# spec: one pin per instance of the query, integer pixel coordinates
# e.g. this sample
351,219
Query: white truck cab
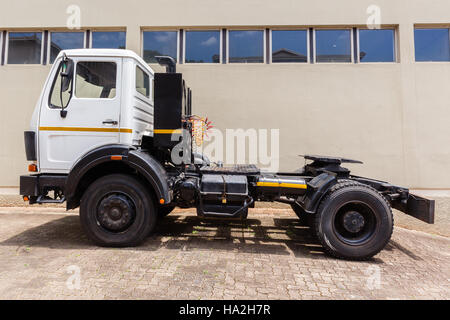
109,101
104,137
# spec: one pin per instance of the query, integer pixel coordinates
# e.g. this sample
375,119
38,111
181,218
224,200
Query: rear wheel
354,221
117,211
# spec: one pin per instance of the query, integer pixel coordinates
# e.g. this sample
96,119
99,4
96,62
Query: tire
244,214
165,210
353,221
117,211
306,219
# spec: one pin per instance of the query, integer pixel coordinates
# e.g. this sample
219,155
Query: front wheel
117,211
354,221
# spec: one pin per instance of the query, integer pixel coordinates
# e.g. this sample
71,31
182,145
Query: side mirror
66,74
66,79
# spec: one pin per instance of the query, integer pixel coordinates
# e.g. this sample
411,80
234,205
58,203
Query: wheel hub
353,221
116,212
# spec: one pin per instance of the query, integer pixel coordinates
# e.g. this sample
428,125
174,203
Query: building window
142,82
160,43
246,46
202,47
95,80
108,40
1,48
333,45
63,41
432,44
377,45
24,47
289,46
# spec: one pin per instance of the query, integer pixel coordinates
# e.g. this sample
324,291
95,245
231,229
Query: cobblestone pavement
42,250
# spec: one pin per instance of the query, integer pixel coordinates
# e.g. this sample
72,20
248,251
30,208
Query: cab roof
122,53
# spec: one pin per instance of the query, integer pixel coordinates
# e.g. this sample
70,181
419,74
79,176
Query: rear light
32,167
25,198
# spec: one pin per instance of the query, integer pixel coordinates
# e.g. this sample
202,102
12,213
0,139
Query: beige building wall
395,117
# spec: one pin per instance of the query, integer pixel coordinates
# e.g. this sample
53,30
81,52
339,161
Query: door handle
113,122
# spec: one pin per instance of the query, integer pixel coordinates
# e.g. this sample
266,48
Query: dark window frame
2,48
395,45
352,45
308,45
429,28
263,30
91,37
185,31
160,30
56,31
7,49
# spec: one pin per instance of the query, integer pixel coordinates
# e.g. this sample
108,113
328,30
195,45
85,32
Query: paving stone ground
270,256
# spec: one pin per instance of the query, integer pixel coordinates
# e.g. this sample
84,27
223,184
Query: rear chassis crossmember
400,199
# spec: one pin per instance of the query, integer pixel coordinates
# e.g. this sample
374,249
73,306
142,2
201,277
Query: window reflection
333,46
109,40
246,46
24,47
432,44
376,46
289,46
202,46
63,41
159,43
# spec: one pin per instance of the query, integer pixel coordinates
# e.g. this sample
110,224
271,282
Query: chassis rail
400,199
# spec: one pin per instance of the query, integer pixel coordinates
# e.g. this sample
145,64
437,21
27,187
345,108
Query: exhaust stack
168,62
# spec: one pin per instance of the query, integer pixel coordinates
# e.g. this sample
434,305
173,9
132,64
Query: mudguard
153,172
316,190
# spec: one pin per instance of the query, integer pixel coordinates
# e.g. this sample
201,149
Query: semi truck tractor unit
102,139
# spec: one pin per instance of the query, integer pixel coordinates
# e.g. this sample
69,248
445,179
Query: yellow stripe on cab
78,129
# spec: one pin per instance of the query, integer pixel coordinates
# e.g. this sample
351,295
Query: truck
102,139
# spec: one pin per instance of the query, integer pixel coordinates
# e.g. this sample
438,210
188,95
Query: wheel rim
355,223
116,212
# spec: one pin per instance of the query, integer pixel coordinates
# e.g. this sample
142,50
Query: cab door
93,112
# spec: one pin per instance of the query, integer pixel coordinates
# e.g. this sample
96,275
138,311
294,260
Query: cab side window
55,94
142,82
96,80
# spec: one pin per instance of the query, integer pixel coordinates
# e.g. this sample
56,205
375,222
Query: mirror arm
63,112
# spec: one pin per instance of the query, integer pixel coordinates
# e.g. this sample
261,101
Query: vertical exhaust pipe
168,62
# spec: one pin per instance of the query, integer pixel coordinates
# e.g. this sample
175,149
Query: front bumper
34,186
